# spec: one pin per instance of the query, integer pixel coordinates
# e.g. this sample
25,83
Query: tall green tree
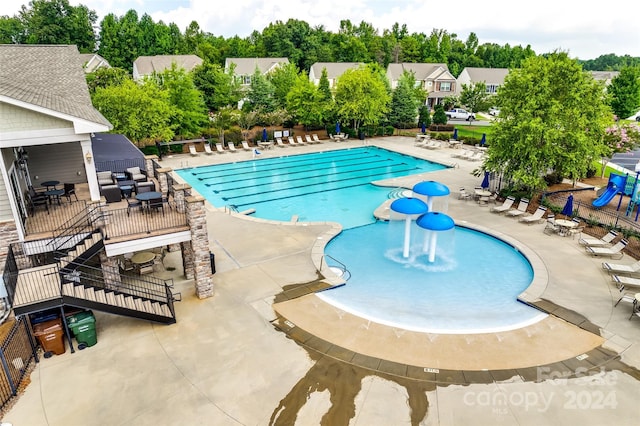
105,77
261,96
141,112
439,117
219,88
305,102
11,30
624,92
404,102
475,97
283,78
361,97
323,85
552,117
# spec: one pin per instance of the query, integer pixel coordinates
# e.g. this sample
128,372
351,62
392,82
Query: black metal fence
17,351
127,222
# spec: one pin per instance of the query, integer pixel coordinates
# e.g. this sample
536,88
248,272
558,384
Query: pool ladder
340,269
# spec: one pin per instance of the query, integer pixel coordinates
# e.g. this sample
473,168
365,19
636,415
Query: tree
219,88
283,78
305,102
624,92
475,96
261,95
105,77
189,109
424,116
324,87
222,120
361,97
439,117
141,112
11,30
404,102
552,117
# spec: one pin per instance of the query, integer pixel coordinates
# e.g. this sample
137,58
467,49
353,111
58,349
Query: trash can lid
47,327
81,317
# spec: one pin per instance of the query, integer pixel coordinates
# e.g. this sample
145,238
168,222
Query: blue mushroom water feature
430,189
408,206
434,222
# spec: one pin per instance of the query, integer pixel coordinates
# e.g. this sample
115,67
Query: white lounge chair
433,145
299,140
605,241
618,268
520,210
612,252
245,146
308,139
505,206
536,217
316,139
207,149
192,150
625,282
280,143
291,141
232,147
220,149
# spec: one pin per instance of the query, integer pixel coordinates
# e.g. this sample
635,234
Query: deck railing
130,222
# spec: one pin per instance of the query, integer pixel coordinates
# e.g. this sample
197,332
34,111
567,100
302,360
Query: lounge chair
466,153
520,210
464,195
308,139
605,241
625,282
280,143
207,149
299,140
613,252
232,147
505,206
220,149
433,145
618,268
316,139
135,174
192,150
291,141
245,146
536,217
476,156
551,227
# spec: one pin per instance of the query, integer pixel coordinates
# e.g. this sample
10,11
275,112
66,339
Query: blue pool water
471,287
326,186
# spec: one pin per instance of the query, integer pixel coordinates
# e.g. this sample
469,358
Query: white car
494,111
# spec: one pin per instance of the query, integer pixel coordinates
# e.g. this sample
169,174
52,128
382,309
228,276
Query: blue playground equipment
617,185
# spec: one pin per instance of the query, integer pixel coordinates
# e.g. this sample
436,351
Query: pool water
326,186
471,287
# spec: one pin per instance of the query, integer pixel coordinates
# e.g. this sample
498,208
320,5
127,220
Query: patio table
50,184
54,194
145,197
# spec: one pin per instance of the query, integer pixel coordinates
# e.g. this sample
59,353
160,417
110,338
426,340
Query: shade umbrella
484,139
455,134
408,206
485,181
264,134
424,128
434,222
567,210
337,127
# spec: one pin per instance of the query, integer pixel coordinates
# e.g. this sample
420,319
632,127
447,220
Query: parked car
460,114
494,111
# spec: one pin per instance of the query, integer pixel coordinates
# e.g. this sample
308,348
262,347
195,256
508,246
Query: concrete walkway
230,360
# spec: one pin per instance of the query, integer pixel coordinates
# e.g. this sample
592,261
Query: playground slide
616,184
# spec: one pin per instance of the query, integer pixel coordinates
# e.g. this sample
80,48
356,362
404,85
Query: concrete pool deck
230,360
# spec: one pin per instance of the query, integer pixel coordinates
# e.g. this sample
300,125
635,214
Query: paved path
226,363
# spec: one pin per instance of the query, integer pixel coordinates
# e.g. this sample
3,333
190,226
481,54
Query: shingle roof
92,61
247,66
422,71
147,65
334,69
487,75
50,77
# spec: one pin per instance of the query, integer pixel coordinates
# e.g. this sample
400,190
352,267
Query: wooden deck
37,284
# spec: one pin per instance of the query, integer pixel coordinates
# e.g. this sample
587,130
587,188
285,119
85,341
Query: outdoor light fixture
88,157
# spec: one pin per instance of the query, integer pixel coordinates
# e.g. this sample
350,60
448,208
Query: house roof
92,61
487,75
422,71
334,69
147,65
49,77
604,75
247,66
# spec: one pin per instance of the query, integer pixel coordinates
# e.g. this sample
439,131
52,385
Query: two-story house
493,78
334,71
244,68
144,66
61,243
435,79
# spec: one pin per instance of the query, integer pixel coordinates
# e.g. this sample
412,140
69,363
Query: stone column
110,271
148,164
163,183
197,220
180,193
187,260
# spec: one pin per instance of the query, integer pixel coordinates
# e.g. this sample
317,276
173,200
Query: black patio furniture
132,203
149,198
111,193
35,200
69,190
135,173
54,195
50,184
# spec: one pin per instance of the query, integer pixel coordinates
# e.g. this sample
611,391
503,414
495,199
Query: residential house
605,76
493,78
334,71
57,251
92,61
145,66
244,68
435,79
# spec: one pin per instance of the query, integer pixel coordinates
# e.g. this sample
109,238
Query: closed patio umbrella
424,128
484,139
264,134
567,210
485,181
337,127
455,134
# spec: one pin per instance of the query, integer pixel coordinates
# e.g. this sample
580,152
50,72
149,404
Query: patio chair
464,195
280,143
220,149
144,187
291,141
520,210
614,252
245,146
232,147
192,150
135,174
69,190
157,204
621,269
536,217
316,139
299,140
551,227
105,178
36,200
605,241
307,139
111,193
577,230
132,203
207,149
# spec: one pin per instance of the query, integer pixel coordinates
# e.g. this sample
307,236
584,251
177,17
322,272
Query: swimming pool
325,186
471,288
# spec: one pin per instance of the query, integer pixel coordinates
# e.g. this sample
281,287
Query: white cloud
583,29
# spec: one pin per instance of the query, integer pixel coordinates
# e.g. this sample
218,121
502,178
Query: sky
585,30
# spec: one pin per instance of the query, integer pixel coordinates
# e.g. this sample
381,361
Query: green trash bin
83,326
